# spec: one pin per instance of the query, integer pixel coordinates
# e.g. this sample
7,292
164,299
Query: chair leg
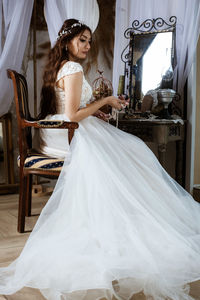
28,195
21,207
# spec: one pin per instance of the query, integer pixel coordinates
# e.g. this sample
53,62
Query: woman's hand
101,115
118,103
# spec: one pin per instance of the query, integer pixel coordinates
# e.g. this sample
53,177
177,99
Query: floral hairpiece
68,29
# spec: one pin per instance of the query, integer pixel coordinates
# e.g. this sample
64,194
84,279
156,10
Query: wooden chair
27,158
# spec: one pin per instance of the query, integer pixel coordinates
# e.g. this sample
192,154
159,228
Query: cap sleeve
70,67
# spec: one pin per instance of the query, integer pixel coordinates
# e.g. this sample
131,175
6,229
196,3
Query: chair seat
42,162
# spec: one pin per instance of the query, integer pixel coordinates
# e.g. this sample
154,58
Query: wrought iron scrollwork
148,26
151,25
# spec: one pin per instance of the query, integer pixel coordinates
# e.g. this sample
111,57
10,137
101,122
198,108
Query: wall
197,127
42,38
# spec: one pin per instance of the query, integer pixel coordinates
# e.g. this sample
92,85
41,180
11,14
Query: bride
116,224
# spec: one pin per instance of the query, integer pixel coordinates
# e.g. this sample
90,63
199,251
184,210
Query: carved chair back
25,123
22,111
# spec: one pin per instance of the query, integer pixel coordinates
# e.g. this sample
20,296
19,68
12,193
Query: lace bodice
69,68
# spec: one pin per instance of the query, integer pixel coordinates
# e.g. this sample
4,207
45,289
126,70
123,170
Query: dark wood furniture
160,132
25,123
196,193
7,184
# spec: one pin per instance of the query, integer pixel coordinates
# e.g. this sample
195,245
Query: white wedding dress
116,223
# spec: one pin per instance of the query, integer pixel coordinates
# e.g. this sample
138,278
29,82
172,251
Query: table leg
162,153
179,162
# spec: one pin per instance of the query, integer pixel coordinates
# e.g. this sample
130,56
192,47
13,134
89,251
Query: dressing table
160,132
149,61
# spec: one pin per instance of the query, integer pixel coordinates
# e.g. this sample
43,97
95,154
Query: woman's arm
73,89
101,115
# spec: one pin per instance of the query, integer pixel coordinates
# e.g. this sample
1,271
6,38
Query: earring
66,48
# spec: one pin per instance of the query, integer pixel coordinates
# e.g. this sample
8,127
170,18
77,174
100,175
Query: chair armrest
50,124
71,126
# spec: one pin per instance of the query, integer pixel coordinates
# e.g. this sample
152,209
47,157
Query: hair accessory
68,29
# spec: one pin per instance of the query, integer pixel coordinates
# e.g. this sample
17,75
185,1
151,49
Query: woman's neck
75,59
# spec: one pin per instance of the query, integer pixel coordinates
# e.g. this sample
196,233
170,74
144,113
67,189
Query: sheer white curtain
1,25
56,12
7,11
188,28
16,18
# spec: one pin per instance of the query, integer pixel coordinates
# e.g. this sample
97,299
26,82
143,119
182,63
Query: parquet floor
11,243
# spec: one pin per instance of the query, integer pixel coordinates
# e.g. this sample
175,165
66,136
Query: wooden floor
11,243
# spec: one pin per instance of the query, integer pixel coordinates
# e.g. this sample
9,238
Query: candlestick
120,90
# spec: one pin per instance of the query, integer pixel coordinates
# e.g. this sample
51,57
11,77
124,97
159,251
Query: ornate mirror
149,58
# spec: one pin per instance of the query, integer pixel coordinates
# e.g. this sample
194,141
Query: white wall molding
191,122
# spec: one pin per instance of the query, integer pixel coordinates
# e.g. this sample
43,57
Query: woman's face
79,46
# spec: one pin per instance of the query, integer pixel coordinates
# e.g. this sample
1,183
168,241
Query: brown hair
56,58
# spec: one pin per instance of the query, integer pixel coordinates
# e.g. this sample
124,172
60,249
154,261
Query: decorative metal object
120,90
165,96
149,26
102,87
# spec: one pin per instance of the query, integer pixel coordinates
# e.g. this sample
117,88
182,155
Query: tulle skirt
116,224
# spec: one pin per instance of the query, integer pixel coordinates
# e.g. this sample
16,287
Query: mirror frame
149,26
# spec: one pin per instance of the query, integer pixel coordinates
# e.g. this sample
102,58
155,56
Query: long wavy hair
57,56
